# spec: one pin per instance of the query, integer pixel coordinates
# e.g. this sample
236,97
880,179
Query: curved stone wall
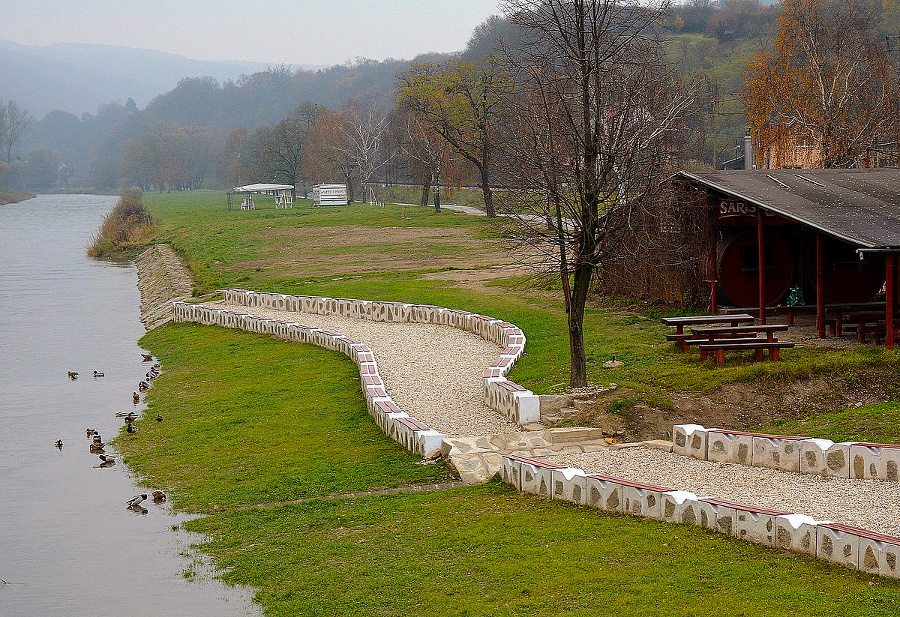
504,396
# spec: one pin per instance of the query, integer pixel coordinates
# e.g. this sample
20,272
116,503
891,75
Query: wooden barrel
737,268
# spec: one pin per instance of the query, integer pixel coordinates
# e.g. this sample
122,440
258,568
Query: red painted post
713,299
890,289
820,287
762,265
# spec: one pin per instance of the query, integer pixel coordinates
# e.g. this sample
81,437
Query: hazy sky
277,31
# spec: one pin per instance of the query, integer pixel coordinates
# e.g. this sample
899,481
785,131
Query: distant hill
79,77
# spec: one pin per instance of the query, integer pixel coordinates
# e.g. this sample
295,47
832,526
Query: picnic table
680,337
722,339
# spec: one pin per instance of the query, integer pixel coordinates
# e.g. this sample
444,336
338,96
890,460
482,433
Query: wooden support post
762,265
713,298
890,261
820,287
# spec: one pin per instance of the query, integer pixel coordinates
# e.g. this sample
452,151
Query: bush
125,227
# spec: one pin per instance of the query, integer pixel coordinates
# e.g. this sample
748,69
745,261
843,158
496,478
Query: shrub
123,228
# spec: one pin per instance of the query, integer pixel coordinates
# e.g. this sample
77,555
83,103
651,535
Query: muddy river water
68,545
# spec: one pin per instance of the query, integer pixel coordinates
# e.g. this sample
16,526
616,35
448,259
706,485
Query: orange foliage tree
828,82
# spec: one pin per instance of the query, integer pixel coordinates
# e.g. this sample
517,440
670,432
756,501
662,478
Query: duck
97,438
138,509
59,444
158,417
142,386
159,496
90,432
135,397
131,429
97,448
99,374
147,357
108,458
136,500
73,375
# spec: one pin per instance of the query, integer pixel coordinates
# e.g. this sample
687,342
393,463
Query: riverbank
14,197
162,278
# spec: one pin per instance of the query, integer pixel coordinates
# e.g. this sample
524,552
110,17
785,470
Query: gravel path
432,372
410,355
870,504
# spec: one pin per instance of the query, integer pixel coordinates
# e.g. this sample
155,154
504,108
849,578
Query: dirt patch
740,406
298,252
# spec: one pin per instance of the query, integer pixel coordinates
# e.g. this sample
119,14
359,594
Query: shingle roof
859,206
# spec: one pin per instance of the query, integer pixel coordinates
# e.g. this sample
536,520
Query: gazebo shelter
284,195
834,233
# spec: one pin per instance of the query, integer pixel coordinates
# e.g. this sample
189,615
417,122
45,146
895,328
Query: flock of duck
97,446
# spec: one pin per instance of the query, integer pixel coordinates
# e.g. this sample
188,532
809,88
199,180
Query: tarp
261,188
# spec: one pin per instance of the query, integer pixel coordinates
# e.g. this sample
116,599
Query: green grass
253,420
488,551
248,420
871,423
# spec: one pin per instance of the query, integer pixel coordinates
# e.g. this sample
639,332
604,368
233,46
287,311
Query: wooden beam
890,285
762,265
820,287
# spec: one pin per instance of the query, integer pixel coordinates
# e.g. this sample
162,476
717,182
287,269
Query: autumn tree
828,82
278,150
595,131
464,103
426,154
329,159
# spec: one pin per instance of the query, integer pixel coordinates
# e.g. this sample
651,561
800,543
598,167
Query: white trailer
330,194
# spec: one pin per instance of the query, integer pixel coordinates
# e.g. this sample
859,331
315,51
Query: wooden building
834,234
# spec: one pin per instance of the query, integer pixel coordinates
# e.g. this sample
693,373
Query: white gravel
870,504
432,372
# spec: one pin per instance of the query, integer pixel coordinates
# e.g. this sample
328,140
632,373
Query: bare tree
14,121
362,141
597,124
278,150
464,103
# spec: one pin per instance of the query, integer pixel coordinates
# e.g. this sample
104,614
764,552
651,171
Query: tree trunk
426,189
488,196
581,284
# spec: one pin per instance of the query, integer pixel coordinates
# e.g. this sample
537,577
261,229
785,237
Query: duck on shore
99,374
73,375
135,397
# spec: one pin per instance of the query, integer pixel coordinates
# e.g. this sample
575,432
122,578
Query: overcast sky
311,32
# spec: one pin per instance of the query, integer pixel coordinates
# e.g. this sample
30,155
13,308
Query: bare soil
357,249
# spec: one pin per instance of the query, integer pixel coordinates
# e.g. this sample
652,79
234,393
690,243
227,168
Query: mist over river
68,545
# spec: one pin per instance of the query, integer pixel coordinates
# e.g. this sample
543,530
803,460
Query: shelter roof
859,206
261,188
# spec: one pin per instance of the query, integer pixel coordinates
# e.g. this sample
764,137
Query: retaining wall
506,397
852,547
847,459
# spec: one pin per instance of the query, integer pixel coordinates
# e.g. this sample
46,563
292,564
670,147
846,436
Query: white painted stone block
753,524
838,544
604,492
875,461
796,532
729,447
536,476
690,440
680,507
529,408
569,484
777,452
879,554
716,515
643,500
511,472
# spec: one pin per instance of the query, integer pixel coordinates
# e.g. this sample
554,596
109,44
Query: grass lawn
250,421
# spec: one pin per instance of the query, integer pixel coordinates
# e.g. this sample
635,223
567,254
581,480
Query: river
68,544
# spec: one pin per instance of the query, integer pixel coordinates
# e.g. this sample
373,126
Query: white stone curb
852,547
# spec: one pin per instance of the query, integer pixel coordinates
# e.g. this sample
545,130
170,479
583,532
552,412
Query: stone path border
846,459
852,547
514,455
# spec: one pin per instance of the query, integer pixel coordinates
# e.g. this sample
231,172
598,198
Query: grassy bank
14,197
251,420
251,423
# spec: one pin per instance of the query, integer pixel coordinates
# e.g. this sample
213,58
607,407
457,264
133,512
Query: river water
68,544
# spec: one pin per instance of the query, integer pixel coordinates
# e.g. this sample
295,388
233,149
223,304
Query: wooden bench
736,334
720,347
699,320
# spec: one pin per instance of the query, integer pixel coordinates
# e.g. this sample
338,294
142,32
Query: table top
706,319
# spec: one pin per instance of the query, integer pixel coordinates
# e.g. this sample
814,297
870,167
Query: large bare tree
597,125
14,121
